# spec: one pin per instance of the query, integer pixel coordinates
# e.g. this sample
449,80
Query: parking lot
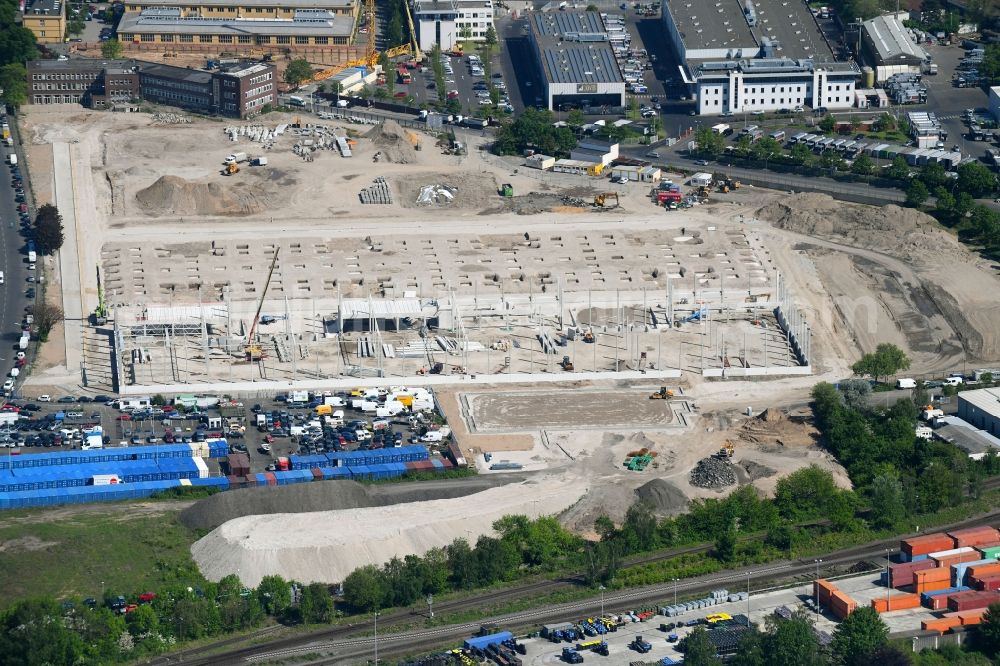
266,430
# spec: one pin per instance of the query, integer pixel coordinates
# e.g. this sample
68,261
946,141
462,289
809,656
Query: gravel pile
713,473
663,497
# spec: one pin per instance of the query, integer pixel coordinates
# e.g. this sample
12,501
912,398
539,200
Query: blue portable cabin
261,479
218,448
336,473
220,482
308,462
483,642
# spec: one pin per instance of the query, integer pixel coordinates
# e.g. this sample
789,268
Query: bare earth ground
861,275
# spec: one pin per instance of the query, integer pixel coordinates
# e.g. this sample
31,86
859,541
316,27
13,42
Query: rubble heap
713,473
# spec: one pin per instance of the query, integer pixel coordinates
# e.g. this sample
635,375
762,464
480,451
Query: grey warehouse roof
986,399
890,39
574,47
434,6
966,437
723,24
176,73
316,22
776,66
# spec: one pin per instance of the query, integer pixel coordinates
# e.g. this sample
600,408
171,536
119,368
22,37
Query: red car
124,417
146,597
131,607
22,208
400,94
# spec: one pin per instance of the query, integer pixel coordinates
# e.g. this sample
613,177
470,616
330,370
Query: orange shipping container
984,570
822,590
971,556
933,586
927,543
941,625
896,602
974,536
931,575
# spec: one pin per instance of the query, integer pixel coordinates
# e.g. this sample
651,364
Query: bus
404,74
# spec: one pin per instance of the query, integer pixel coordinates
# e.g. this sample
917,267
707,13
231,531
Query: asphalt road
13,260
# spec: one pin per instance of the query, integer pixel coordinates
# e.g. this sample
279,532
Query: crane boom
253,350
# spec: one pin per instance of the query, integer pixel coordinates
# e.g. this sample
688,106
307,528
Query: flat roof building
168,25
574,59
448,22
45,18
245,8
981,408
886,42
238,90
756,55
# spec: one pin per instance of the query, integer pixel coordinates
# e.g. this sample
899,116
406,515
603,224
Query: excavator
727,451
663,394
253,351
371,54
601,199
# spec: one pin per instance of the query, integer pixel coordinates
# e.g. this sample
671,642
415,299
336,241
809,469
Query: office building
45,18
239,90
448,22
574,60
756,55
275,9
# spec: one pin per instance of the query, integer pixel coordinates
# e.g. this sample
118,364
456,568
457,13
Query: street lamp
675,590
887,551
816,585
376,638
748,596
602,600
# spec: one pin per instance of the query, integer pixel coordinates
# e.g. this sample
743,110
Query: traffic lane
13,264
520,74
508,30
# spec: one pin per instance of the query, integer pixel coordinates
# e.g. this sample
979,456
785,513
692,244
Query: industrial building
981,408
766,55
45,18
278,9
448,22
575,61
995,102
362,314
238,90
595,151
886,45
170,25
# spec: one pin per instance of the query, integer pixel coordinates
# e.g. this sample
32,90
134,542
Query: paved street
13,263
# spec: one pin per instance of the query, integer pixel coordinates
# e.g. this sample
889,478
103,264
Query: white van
905,383
432,437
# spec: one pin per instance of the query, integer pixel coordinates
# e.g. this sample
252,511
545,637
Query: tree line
45,631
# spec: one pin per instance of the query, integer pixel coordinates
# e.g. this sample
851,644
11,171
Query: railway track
347,646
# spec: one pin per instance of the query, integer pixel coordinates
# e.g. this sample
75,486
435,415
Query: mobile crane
253,351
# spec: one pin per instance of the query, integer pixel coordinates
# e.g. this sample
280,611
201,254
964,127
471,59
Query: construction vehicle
566,364
588,336
571,656
663,394
252,350
101,312
727,451
506,190
641,645
601,199
231,168
726,185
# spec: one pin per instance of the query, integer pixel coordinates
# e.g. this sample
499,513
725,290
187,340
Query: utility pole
376,638
816,586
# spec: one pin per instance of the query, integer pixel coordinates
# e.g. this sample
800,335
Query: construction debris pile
395,144
170,119
256,133
713,472
436,194
378,193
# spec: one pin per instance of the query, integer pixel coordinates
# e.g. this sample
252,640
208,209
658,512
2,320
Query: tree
698,650
916,193
14,81
801,154
316,604
33,632
976,179
743,145
827,123
859,636
886,360
890,655
988,633
792,642
48,229
765,149
886,123
575,118
933,175
831,160
111,49
298,70
709,142
534,129
898,170
750,651
390,74
17,44
944,206
46,316
143,620
856,393
491,37
863,166
888,506
725,545
805,493
365,589
274,594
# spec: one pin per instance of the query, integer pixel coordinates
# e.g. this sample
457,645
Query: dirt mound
213,511
757,471
395,143
771,415
901,232
172,195
662,496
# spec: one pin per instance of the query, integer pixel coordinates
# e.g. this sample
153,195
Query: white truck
298,396
722,128
32,256
12,158
9,418
236,158
22,344
905,383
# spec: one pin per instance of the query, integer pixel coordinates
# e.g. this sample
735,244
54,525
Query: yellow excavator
371,54
601,199
253,351
663,394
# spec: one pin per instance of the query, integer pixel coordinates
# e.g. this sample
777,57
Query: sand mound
213,511
662,496
901,232
395,143
172,195
326,546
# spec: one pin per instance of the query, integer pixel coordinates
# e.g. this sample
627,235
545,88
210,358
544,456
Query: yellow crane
253,351
371,53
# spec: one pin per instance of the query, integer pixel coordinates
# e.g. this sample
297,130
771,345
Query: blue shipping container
483,642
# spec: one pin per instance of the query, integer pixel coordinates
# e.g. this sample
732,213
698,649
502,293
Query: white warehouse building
448,22
740,56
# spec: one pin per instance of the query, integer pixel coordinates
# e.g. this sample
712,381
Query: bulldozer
566,364
727,451
728,184
231,168
601,199
663,394
588,336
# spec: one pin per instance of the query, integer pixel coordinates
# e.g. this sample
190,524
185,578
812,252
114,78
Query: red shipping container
964,601
272,480
974,536
317,474
987,583
940,602
902,574
236,482
926,544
